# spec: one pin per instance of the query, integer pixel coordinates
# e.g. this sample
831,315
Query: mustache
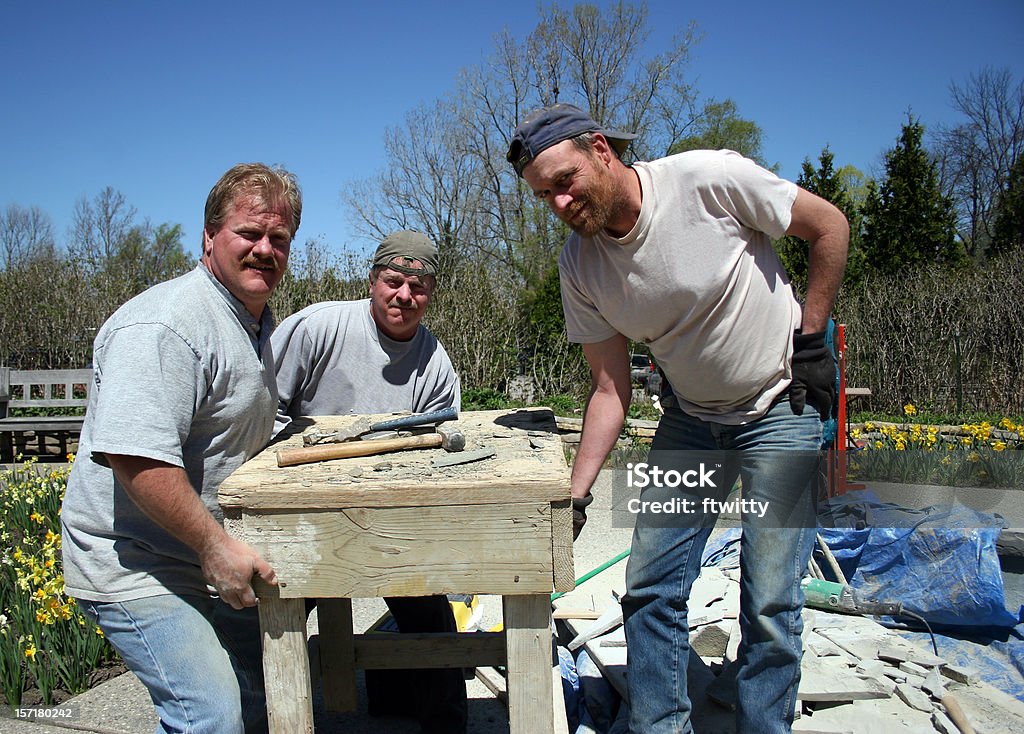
575,207
263,263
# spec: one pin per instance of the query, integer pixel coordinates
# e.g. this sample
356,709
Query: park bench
62,389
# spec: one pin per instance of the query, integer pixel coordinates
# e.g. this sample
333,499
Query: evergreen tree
908,220
831,185
1008,232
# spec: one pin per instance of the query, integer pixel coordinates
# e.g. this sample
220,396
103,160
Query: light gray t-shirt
182,374
697,280
332,360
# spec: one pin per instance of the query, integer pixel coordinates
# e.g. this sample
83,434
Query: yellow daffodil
909,409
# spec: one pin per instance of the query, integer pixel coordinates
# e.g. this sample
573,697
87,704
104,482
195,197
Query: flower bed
49,650
969,455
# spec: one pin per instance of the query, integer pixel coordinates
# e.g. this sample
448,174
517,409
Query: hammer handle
327,451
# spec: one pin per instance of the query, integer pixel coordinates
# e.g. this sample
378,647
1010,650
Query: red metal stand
836,472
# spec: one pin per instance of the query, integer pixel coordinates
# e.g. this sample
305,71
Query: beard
590,214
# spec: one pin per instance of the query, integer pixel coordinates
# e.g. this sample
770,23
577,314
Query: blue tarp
941,562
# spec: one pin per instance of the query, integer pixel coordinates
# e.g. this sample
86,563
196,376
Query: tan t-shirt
697,280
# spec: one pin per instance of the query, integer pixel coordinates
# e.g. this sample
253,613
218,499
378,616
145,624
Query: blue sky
158,99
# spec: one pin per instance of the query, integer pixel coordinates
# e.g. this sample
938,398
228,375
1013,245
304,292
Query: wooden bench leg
529,647
337,654
286,665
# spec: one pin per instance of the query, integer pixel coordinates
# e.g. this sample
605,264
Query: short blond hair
273,186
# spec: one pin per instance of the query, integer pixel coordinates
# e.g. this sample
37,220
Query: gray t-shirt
697,280
332,360
183,374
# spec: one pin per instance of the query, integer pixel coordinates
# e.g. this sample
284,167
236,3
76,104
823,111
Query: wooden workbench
400,524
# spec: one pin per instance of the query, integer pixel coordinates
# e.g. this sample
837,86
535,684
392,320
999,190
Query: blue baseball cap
549,126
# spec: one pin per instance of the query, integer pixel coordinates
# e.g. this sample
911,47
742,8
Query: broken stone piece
960,674
942,723
872,668
711,640
932,684
895,674
892,654
828,679
913,669
913,697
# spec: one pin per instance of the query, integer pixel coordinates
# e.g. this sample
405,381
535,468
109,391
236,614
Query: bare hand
229,566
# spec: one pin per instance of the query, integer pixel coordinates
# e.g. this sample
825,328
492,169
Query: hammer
450,439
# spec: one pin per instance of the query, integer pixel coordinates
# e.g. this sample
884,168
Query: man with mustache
676,253
375,356
183,394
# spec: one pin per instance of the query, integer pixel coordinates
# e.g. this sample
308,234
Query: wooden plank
405,551
337,659
525,466
47,380
386,650
341,493
560,723
528,639
581,614
285,663
43,423
494,682
561,546
5,389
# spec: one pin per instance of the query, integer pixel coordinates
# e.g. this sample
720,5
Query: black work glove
814,374
579,514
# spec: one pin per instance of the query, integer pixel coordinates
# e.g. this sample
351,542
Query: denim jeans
776,458
200,659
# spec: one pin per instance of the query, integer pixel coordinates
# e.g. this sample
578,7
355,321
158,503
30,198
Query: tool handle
417,419
956,714
327,451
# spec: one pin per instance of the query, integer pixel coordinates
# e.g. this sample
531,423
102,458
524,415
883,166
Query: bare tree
447,176
100,227
976,156
446,171
429,184
24,234
604,72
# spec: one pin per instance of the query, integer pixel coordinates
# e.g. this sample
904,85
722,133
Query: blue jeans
200,659
777,459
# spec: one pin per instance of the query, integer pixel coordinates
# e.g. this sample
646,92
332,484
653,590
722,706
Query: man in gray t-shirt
183,394
375,356
677,253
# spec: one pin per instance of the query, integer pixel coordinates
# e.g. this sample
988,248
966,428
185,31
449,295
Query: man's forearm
602,423
827,262
826,230
165,494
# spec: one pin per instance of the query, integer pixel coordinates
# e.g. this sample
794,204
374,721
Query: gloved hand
814,374
579,513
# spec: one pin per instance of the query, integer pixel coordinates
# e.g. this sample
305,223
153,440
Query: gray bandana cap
551,125
400,249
